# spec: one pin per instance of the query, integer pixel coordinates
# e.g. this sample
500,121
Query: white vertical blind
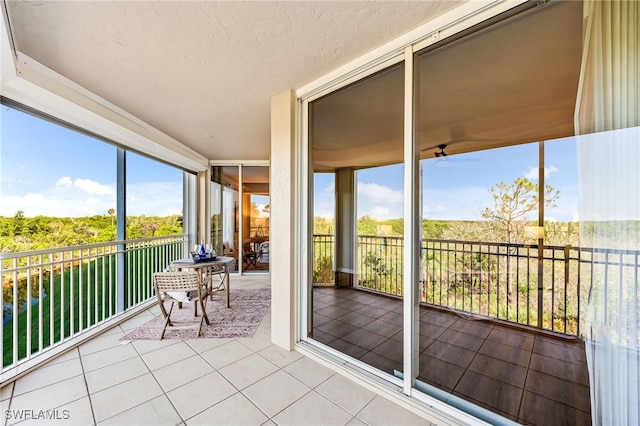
607,119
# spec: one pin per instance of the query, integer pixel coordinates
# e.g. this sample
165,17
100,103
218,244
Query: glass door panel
481,122
225,199
255,218
357,150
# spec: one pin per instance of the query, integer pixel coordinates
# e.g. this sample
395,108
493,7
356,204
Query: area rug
241,319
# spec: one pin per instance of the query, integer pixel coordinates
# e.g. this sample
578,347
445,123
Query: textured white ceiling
204,72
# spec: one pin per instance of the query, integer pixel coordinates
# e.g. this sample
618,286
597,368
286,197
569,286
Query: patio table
207,269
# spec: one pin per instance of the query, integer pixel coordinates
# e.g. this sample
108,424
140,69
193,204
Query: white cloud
64,198
54,202
533,172
331,186
379,193
455,203
33,198
154,198
380,211
92,187
64,181
379,201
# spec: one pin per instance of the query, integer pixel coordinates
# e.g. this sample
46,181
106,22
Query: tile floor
243,381
527,377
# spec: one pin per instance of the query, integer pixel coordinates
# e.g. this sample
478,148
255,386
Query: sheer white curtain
607,119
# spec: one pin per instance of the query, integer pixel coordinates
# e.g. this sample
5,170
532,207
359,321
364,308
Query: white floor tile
47,375
235,410
102,342
174,382
49,397
6,391
182,372
71,354
124,396
203,345
115,374
75,413
226,354
382,412
275,392
309,372
261,339
247,371
167,355
107,357
201,394
158,411
313,409
356,422
279,356
347,394
79,413
135,322
144,346
4,405
266,323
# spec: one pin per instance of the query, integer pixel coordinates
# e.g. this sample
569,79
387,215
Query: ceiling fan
441,147
443,159
458,134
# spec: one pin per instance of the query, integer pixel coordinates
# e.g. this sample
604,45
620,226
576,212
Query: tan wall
282,219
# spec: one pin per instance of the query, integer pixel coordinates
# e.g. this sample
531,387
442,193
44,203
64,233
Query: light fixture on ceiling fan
457,135
443,159
441,147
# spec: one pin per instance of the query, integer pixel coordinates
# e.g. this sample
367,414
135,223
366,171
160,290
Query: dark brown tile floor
528,377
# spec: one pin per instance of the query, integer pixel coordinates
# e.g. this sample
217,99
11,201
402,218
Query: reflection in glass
229,226
357,150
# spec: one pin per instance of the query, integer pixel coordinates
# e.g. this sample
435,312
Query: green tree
322,225
513,203
367,226
511,206
434,228
18,222
112,213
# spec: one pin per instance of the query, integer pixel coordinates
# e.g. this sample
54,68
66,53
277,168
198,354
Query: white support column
282,238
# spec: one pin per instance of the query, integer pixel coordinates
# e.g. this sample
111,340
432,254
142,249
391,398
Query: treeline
556,233
20,233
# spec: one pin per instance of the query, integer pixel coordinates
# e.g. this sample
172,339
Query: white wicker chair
177,287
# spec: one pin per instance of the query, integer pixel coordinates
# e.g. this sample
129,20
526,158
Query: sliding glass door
357,150
239,211
498,320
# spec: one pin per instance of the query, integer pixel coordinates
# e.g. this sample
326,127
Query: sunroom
475,315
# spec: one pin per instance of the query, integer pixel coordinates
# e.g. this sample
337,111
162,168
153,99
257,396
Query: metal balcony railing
516,283
51,297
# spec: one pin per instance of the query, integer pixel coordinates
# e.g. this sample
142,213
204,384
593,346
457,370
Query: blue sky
49,170
458,188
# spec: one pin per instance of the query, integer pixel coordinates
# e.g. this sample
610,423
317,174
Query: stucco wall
282,219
